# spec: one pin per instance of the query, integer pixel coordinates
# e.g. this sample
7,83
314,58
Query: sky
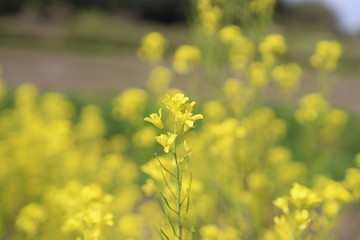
347,13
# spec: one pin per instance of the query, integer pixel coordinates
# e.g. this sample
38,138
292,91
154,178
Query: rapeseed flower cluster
184,58
210,14
326,55
152,47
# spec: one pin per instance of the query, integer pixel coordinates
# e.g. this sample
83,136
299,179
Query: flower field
216,160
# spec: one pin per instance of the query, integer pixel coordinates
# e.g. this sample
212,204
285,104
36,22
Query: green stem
179,183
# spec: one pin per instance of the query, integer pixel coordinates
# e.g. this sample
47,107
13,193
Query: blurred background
87,47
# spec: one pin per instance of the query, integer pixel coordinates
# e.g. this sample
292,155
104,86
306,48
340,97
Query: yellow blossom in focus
185,57
152,47
181,110
175,103
189,119
156,119
166,140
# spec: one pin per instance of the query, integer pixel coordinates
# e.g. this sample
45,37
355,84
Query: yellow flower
272,45
229,33
166,140
185,57
282,227
302,196
282,203
210,18
174,104
302,218
240,52
287,76
130,104
326,55
257,74
152,47
29,219
189,119
156,119
312,107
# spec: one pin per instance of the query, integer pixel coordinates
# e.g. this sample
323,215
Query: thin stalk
179,186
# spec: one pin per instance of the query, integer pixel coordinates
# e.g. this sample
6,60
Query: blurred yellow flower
152,47
185,57
302,196
159,80
229,34
270,47
257,75
326,55
302,218
312,107
287,76
282,203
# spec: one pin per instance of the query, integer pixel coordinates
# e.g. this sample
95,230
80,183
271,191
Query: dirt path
67,72
108,75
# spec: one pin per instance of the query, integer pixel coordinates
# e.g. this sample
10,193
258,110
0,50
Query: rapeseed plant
176,196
